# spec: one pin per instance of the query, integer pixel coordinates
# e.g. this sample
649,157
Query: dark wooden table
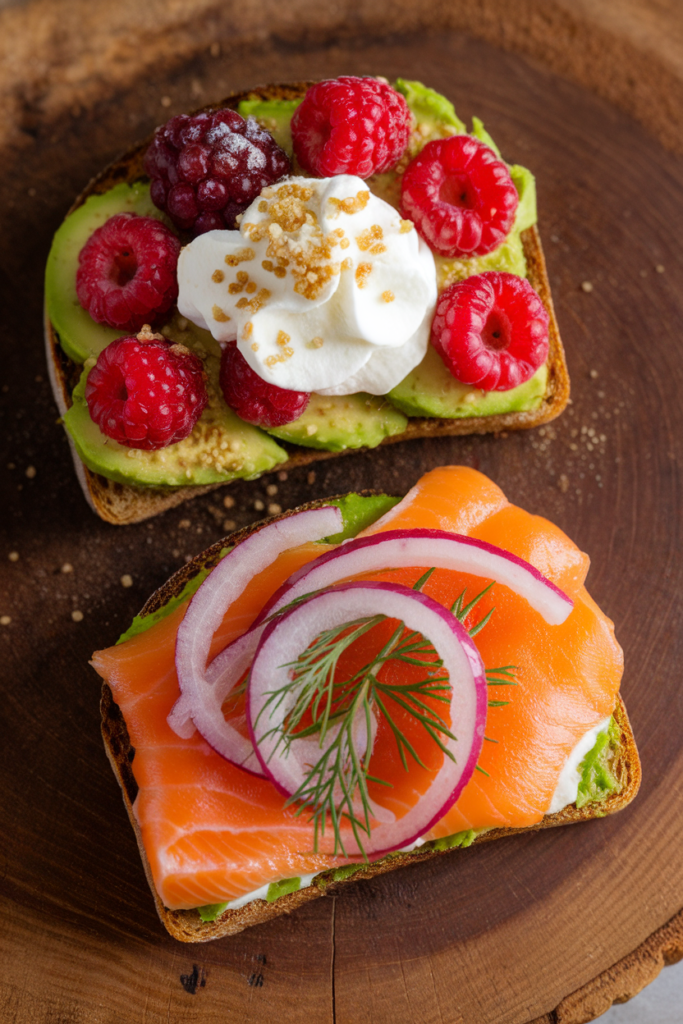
500,933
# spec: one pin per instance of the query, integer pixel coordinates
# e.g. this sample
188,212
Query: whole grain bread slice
121,504
187,925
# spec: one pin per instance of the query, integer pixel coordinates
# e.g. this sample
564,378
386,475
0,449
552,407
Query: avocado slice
79,335
430,390
430,108
221,447
273,115
343,421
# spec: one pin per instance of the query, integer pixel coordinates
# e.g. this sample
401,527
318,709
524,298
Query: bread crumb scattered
126,580
228,502
176,552
258,505
30,472
184,524
77,616
271,490
282,475
229,525
311,477
563,483
5,620
165,101
586,286
67,568
659,268
13,556
274,509
594,374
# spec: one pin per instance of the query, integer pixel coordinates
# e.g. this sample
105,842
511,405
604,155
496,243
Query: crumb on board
13,556
67,568
274,509
586,286
229,525
77,615
258,505
228,502
126,580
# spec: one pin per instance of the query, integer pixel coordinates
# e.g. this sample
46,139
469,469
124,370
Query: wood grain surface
504,933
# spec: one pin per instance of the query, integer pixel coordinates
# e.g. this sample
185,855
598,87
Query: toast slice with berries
121,502
191,926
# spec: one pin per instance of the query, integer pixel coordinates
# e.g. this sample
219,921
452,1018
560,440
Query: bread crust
186,925
122,504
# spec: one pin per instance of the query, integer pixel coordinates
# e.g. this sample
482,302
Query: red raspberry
252,398
126,273
491,330
350,126
146,393
207,169
460,197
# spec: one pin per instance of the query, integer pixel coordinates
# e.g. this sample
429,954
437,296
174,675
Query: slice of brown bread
187,925
120,504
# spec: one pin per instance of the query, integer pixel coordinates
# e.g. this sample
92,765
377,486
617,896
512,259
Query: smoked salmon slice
213,833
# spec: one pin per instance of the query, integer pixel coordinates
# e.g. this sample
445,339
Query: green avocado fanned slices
432,390
338,422
79,335
221,446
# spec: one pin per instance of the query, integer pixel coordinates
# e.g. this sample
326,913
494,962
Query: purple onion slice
401,548
287,636
203,691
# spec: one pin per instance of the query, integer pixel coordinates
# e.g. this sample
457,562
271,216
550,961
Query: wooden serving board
522,929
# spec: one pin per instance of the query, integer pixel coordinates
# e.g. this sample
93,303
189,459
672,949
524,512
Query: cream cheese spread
567,788
323,287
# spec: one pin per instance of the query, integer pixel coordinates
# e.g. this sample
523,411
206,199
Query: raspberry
350,126
491,330
127,272
146,393
207,169
460,197
252,398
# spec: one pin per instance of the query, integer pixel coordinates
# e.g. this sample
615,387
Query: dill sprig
335,787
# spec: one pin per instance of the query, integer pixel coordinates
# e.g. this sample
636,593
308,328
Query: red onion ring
406,548
201,693
283,640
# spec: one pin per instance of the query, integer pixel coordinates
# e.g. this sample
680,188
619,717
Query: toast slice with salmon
121,503
477,509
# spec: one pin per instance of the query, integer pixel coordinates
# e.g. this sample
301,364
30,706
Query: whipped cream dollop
323,287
